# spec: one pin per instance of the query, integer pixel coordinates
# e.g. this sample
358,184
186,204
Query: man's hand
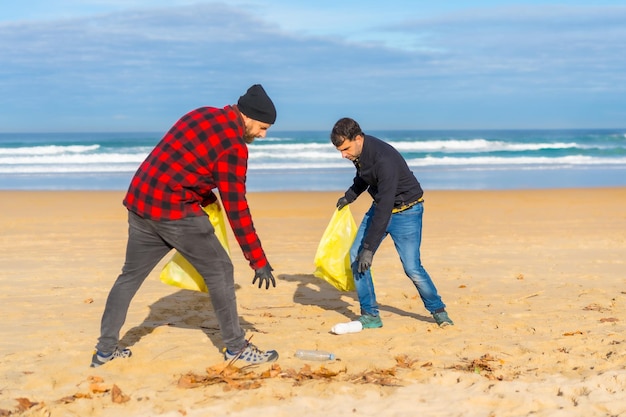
264,275
342,202
364,259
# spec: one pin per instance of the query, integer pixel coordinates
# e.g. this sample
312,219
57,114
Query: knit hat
257,105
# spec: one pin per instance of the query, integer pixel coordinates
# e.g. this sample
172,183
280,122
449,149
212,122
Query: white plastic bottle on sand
350,327
314,355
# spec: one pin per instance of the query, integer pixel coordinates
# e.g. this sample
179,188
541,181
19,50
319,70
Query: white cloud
150,64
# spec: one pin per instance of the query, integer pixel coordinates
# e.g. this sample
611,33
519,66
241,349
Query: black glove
342,202
364,259
264,275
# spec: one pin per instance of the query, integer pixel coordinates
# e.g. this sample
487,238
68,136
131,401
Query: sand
534,280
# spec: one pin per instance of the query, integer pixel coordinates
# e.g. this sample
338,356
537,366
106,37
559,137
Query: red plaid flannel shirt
202,151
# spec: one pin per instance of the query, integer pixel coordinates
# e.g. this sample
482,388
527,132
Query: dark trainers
251,354
442,319
370,322
100,358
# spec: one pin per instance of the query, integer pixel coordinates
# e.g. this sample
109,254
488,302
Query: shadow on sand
183,309
187,309
315,291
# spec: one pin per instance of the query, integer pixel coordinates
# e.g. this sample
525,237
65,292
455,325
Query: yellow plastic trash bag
179,272
332,259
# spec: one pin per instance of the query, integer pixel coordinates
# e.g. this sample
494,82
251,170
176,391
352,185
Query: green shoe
370,322
442,319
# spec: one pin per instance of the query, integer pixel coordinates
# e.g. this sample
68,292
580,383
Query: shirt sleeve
229,173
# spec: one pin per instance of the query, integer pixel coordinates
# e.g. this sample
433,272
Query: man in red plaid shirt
205,150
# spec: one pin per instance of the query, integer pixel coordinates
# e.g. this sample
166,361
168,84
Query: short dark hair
345,129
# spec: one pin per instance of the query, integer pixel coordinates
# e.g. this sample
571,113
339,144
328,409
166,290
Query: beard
248,138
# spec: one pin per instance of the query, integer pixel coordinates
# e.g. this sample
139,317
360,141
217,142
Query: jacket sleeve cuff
351,195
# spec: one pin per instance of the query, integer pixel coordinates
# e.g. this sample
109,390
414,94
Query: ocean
306,160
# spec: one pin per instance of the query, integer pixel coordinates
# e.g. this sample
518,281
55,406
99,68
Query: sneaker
442,319
251,354
370,322
100,358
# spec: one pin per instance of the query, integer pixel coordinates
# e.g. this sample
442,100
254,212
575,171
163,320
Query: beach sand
534,280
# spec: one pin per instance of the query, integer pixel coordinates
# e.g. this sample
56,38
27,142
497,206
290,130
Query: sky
138,65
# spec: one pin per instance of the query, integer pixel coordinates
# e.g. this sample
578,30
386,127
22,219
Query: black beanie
257,105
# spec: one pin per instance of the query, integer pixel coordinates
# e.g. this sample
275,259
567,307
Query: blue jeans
405,229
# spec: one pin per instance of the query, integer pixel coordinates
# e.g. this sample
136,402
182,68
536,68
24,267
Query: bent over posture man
204,150
396,211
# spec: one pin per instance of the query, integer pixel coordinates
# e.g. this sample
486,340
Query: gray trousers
148,242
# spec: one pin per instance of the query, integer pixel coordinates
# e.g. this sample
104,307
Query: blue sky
133,65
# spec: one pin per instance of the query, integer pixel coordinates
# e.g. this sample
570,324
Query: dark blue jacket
384,173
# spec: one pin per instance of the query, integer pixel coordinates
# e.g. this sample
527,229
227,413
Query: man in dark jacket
396,211
205,150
